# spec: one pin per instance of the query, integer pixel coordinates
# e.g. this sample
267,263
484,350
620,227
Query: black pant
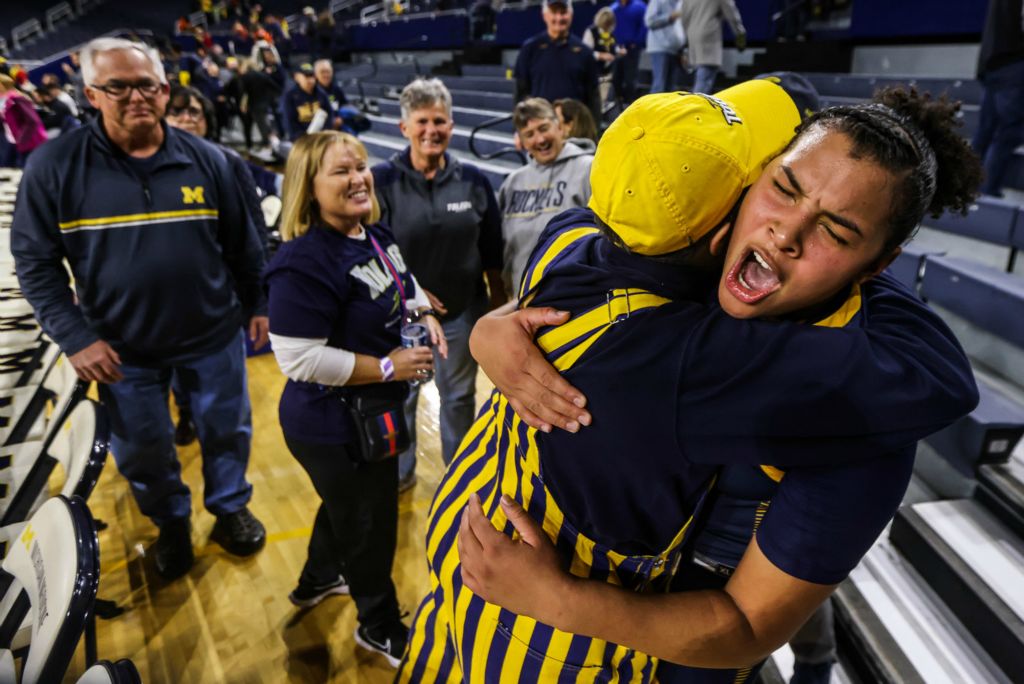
624,74
356,527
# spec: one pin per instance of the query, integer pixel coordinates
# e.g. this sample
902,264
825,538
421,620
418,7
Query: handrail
56,13
78,48
376,8
505,151
24,30
341,5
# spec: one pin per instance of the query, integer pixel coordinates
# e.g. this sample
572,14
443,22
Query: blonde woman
337,289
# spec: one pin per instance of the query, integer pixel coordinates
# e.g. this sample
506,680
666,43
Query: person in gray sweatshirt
556,178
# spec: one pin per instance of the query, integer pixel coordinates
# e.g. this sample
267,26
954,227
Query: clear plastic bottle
416,334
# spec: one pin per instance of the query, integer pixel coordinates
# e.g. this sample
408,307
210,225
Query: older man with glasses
166,265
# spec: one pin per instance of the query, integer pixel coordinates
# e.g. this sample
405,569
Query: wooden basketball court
229,619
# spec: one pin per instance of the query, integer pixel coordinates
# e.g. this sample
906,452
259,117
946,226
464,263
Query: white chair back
55,561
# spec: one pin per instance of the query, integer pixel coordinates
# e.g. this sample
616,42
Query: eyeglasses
193,112
116,90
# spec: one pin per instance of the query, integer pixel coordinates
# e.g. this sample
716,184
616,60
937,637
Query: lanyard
389,267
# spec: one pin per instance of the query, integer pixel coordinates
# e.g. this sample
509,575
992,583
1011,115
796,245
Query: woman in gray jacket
445,218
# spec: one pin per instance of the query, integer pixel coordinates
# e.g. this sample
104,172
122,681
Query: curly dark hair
914,137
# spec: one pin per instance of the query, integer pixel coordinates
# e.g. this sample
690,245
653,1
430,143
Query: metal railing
504,152
25,30
56,13
337,6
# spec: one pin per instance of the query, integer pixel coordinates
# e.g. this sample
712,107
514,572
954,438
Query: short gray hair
87,58
321,62
424,92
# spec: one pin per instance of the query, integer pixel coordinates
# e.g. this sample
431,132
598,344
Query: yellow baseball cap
672,165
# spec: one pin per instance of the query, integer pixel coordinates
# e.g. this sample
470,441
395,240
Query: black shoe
239,533
185,431
172,552
388,640
308,595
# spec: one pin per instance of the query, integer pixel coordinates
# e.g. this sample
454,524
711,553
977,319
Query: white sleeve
420,301
305,359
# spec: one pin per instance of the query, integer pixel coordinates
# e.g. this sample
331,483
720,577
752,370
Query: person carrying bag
337,290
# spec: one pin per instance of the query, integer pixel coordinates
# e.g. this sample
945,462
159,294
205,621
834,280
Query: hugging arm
819,525
758,611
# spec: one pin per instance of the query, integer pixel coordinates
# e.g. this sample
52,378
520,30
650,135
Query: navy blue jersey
823,395
327,285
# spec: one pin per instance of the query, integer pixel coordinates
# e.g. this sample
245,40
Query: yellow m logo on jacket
192,195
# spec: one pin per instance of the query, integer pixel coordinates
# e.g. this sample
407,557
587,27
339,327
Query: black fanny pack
378,415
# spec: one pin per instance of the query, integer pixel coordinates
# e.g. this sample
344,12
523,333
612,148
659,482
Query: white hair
424,92
321,62
87,57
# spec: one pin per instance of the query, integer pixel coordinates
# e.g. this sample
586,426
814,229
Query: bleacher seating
973,562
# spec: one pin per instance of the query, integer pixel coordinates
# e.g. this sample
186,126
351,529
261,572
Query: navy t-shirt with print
328,285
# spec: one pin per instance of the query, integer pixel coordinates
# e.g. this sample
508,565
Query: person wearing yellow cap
679,386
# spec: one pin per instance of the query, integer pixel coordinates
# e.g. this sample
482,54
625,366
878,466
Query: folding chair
51,575
79,444
23,415
106,672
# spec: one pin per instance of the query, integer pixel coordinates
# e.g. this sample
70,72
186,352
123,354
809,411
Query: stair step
976,564
894,629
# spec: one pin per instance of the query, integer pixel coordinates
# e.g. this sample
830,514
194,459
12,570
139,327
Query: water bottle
416,334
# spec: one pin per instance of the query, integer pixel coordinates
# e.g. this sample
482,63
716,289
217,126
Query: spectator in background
305,108
665,41
190,111
702,22
154,295
1001,70
482,20
49,80
630,37
278,30
348,119
55,115
323,45
600,37
578,124
73,75
556,178
22,126
324,72
556,64
446,221
257,92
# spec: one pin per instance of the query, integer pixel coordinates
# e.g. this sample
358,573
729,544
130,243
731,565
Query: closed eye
783,190
833,235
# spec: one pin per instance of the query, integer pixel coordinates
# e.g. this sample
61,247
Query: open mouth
752,278
359,195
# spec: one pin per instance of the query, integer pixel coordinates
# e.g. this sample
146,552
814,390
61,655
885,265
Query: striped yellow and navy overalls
456,636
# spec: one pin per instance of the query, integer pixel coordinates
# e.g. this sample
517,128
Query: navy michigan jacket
165,259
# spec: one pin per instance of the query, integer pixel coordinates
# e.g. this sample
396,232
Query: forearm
311,360
694,628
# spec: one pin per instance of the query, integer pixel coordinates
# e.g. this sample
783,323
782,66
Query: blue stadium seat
989,219
981,295
987,435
